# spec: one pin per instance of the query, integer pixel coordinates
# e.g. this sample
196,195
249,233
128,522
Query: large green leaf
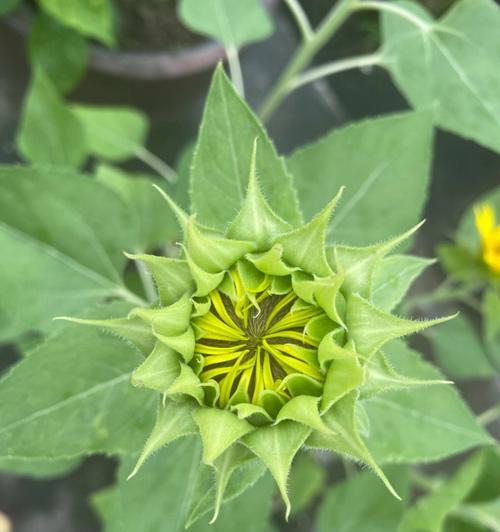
384,164
430,511
60,52
38,468
113,133
155,222
49,131
229,22
221,163
92,18
157,499
72,395
62,238
8,5
359,504
459,350
449,65
421,424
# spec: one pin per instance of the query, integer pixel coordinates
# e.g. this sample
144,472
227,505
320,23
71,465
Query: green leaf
158,499
491,325
462,263
8,5
62,238
430,511
156,224
459,350
60,52
113,133
424,424
49,132
222,160
93,19
231,23
307,481
384,164
359,505
449,65
392,278
38,468
72,396
174,420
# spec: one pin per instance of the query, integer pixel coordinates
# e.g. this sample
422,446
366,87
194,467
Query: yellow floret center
250,342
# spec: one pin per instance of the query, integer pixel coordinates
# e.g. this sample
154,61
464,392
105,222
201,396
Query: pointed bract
134,330
370,328
181,216
305,246
172,276
277,446
256,221
219,429
174,420
159,370
357,265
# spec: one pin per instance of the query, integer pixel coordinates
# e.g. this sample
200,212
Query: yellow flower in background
489,234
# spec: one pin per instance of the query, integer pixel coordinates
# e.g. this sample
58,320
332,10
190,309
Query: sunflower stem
304,54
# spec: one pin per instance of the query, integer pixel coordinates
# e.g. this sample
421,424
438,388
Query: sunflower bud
263,340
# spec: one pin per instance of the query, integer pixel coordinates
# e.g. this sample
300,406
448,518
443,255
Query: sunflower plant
236,333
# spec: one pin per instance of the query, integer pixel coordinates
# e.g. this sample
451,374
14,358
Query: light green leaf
459,350
393,277
384,164
113,133
276,446
491,325
155,223
222,160
72,396
359,505
231,23
62,237
424,424
449,65
430,511
60,52
485,515
93,19
218,430
49,132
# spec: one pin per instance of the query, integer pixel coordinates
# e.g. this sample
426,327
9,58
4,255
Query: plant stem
305,53
334,68
301,19
154,162
489,415
235,69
